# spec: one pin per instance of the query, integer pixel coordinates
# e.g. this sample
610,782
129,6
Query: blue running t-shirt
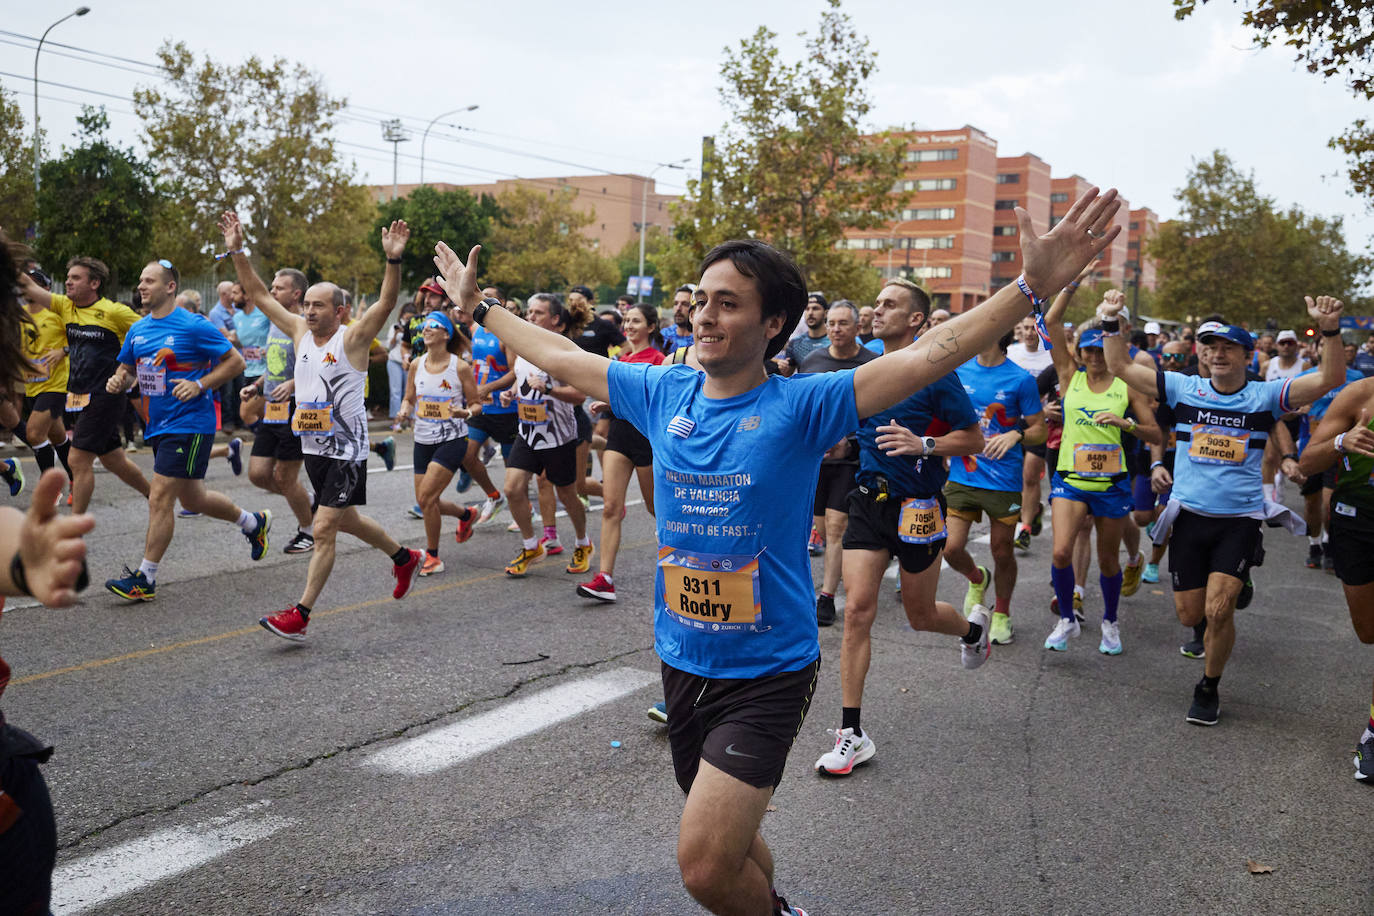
733,593
1221,440
1002,394
932,411
1313,418
165,350
489,362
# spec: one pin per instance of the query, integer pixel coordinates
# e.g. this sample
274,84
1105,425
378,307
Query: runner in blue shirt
1011,416
896,511
178,359
734,622
1221,425
1316,490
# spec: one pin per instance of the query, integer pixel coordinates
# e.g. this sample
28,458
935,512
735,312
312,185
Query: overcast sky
1114,90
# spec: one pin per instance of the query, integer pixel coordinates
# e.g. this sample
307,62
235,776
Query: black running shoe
1314,556
1023,538
1194,648
825,610
301,543
1364,761
1037,523
1206,708
1247,594
1328,561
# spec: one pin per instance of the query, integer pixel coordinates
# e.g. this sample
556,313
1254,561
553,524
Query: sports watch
928,444
479,313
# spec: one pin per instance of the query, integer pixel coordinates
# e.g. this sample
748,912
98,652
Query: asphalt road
453,752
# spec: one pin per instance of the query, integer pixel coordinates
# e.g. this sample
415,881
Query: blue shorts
1143,496
182,455
1113,502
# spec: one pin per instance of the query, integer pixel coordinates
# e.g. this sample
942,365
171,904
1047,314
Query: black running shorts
873,526
559,463
1200,545
275,440
97,424
743,727
52,403
448,455
498,426
624,438
338,483
1351,547
833,486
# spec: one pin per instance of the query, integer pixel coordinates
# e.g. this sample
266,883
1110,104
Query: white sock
611,581
308,529
583,542
247,523
1078,590
149,570
1326,538
1313,542
1368,733
530,543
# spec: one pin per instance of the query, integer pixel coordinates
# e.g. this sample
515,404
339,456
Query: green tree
537,245
258,137
99,200
455,217
1333,39
16,167
791,165
1233,251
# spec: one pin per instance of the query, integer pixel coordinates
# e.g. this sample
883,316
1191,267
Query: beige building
615,201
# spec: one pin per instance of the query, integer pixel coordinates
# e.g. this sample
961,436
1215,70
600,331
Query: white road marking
451,744
102,876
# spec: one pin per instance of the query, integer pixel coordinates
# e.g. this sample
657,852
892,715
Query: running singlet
163,351
1221,440
1353,498
44,335
1001,394
280,360
252,329
1090,455
932,411
437,395
489,362
1275,369
733,595
331,417
94,334
1033,361
545,421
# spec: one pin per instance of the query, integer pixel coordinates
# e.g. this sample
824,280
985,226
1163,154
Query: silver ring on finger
1097,235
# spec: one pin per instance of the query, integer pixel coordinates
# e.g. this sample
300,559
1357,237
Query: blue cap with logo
1227,332
1090,339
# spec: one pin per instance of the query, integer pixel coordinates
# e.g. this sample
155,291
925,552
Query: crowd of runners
899,426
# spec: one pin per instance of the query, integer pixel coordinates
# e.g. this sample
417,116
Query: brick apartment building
615,199
958,233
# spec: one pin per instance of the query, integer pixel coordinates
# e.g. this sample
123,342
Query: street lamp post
395,134
37,152
425,138
644,218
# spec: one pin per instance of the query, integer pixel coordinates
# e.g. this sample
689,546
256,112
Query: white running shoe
491,508
849,752
1058,640
1111,638
974,655
513,526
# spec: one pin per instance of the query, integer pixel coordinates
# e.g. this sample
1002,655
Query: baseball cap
1090,339
438,320
817,297
584,290
1286,335
1152,327
432,286
1217,331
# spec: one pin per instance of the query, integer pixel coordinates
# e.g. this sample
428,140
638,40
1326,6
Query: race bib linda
313,418
1218,445
152,378
533,412
435,408
920,521
276,412
76,401
1096,460
713,593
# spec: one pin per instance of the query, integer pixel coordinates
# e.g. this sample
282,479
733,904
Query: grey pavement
1040,783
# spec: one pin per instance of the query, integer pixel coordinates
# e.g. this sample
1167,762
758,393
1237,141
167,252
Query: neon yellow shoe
582,559
974,596
1001,629
518,567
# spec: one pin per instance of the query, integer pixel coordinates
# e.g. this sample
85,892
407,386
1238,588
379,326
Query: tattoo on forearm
943,345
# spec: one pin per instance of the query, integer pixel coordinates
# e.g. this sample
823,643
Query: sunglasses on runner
1176,357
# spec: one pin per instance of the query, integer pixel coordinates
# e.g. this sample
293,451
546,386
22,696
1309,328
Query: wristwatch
928,444
479,313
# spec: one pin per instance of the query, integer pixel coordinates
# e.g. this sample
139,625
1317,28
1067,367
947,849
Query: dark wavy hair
651,319
14,361
781,288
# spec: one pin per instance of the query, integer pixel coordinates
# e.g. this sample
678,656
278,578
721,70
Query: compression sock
849,718
401,557
1111,595
149,570
62,451
1062,580
45,456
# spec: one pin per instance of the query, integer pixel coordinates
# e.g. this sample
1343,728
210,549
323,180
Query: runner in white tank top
331,417
441,393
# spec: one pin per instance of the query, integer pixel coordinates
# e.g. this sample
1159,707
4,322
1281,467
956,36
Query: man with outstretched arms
1345,441
896,511
269,403
96,327
1222,424
734,622
330,417
178,360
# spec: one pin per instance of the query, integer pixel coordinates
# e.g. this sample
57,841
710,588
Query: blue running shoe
1151,573
134,586
464,482
257,541
414,511
387,449
13,474
235,455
